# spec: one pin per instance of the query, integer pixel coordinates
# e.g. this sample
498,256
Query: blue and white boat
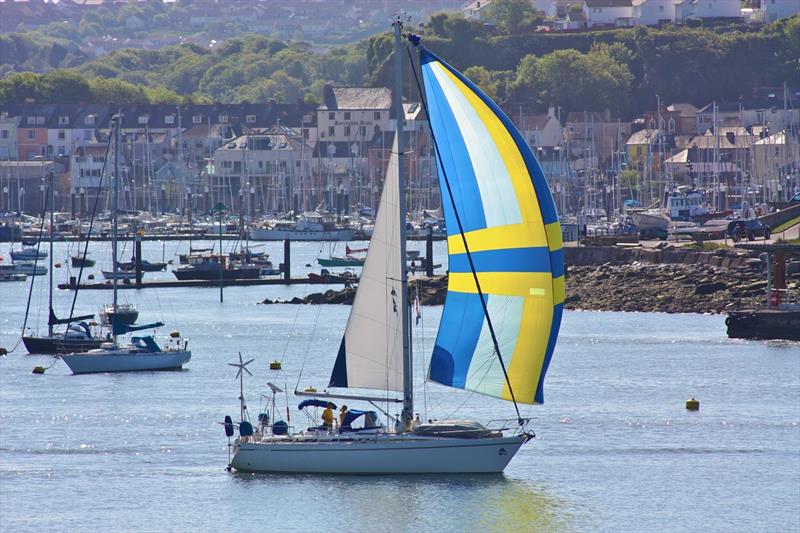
500,320
28,253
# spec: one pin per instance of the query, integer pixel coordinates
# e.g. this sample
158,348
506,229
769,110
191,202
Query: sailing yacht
500,320
142,353
78,335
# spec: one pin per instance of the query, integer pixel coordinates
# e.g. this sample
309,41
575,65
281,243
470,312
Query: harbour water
615,448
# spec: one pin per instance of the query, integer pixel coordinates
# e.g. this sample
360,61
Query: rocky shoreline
699,286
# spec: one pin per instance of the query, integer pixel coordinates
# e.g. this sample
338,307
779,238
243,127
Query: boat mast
114,266
407,414
50,277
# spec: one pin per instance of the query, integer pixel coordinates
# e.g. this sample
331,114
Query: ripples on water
615,448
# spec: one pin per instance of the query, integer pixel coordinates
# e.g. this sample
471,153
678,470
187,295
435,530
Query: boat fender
692,404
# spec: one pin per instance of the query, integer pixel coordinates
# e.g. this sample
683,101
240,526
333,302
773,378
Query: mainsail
512,233
371,353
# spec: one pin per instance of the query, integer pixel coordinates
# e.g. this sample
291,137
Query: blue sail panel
512,233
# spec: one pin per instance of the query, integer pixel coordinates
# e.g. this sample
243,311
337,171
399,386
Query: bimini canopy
315,403
511,229
370,419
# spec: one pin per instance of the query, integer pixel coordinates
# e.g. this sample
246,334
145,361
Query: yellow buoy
275,365
38,370
692,404
311,389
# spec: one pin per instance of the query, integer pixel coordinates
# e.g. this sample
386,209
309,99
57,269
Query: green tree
117,91
513,16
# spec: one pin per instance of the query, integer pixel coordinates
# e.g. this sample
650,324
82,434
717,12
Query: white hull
379,455
261,234
125,361
107,274
651,220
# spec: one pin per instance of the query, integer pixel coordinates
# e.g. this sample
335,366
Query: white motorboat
28,253
29,268
498,327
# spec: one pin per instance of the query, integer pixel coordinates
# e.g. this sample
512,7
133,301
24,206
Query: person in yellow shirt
327,416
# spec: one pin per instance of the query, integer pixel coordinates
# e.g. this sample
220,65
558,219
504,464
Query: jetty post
138,257
429,254
287,260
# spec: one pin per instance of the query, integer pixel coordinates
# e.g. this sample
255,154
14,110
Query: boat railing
519,425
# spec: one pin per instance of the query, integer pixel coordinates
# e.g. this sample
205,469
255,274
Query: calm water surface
615,449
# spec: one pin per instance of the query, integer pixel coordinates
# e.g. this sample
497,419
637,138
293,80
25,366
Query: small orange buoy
692,404
275,365
38,370
57,265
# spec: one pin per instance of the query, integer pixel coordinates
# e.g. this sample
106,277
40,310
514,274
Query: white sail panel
371,353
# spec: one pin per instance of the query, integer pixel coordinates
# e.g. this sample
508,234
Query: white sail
371,353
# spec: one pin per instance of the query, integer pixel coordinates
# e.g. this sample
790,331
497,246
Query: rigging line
33,275
88,237
308,346
466,247
289,337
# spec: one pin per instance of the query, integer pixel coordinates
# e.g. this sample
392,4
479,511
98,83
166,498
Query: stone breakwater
661,280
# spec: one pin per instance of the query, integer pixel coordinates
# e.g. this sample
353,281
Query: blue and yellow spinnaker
511,227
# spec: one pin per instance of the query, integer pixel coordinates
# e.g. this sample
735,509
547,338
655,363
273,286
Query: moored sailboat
500,321
142,353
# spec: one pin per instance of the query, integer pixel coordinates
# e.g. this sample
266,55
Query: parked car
749,229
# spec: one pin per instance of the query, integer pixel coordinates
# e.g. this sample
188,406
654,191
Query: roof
775,138
682,108
645,136
608,3
356,98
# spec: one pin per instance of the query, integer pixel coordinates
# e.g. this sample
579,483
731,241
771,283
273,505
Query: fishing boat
142,353
500,320
207,267
77,335
145,265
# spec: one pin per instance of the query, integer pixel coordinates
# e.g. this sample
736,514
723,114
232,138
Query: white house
702,9
608,12
653,12
778,9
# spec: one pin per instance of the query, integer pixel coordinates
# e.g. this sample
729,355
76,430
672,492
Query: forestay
371,353
512,232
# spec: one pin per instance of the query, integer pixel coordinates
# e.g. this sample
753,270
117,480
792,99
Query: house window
297,164
661,8
63,121
143,119
376,115
61,150
347,115
331,115
197,119
223,117
250,119
61,134
3,134
347,131
331,131
89,120
31,134
169,119
226,164
260,164
306,119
